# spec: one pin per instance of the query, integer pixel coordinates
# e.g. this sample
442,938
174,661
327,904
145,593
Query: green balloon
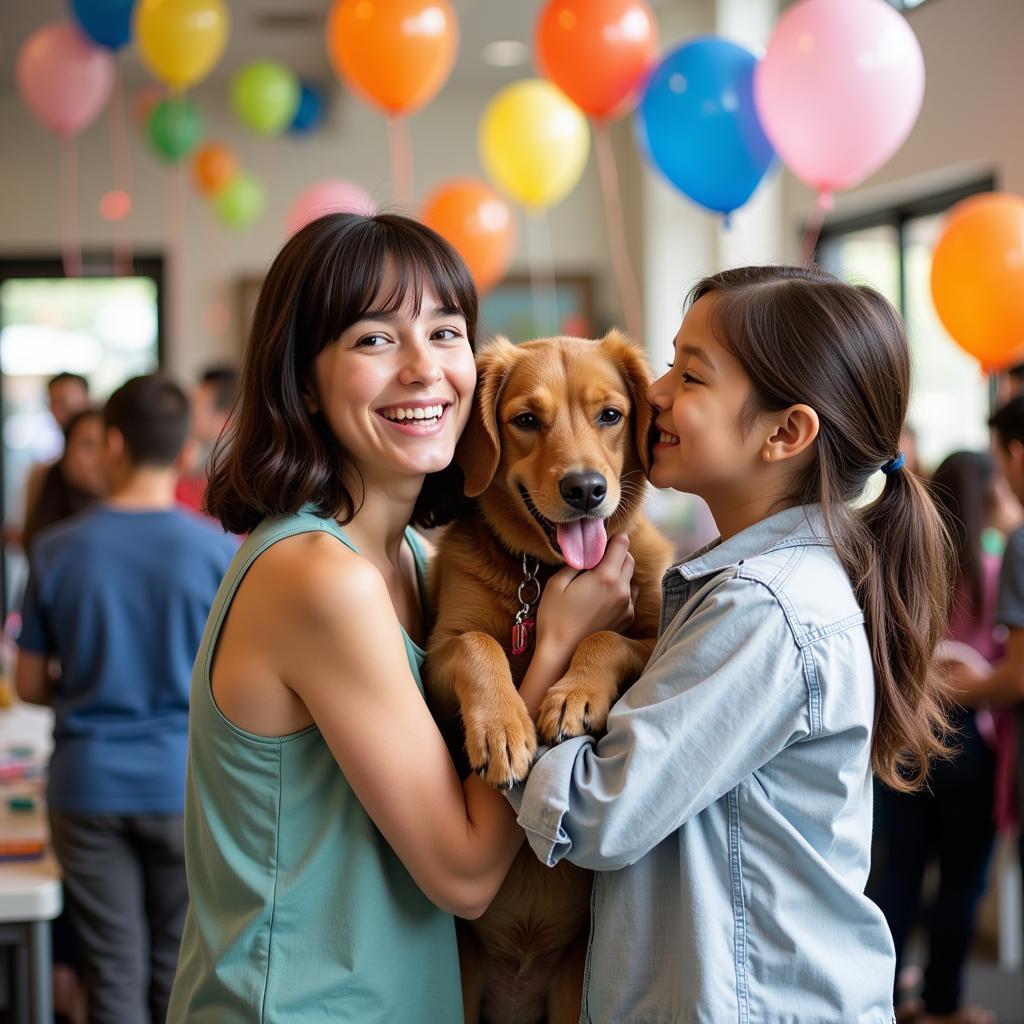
265,95
175,128
241,201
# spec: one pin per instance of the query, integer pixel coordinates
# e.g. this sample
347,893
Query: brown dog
555,453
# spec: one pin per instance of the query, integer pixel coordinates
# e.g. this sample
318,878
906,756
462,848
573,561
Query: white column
756,233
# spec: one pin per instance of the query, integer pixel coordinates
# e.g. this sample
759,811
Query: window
892,251
103,327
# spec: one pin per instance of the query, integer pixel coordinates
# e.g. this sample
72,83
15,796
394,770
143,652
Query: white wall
353,145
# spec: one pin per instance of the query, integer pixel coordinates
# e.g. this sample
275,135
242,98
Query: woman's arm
339,647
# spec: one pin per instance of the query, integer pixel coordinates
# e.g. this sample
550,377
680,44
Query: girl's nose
657,394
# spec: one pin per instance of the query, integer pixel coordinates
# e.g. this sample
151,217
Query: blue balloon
698,124
107,22
311,110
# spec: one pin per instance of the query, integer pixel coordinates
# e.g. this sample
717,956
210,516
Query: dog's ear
633,366
479,449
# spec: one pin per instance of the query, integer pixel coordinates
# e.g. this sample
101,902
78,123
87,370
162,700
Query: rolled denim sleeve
724,692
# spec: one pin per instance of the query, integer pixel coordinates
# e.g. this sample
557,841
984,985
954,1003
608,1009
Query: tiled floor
1002,992
997,990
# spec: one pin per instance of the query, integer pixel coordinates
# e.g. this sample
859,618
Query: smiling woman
328,835
341,274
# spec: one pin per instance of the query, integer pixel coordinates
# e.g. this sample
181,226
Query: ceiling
292,31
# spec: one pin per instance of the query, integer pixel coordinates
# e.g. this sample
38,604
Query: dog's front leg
500,736
579,702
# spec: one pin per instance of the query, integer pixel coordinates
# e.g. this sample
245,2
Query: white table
30,898
30,891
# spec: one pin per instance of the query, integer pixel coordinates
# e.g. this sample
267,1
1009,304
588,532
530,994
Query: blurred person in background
1003,685
70,485
67,395
212,400
75,480
952,821
1009,384
117,600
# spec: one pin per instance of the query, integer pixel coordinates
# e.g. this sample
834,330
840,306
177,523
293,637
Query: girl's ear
793,430
479,449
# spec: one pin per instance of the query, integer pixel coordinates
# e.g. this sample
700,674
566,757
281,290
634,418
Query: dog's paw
501,744
572,708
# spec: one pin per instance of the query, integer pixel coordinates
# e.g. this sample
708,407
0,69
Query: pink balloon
839,89
333,195
64,79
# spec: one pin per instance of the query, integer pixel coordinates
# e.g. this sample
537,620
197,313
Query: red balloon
478,223
598,52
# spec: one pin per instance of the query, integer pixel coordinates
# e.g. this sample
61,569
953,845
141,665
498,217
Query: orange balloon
478,223
978,278
598,52
213,167
396,53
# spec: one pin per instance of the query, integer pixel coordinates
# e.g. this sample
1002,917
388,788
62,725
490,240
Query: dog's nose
583,491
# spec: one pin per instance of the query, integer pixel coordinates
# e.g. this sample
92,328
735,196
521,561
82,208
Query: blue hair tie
894,465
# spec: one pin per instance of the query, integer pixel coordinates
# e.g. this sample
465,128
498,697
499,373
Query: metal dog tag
521,635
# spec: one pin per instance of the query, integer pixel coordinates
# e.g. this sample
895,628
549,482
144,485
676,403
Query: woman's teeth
428,414
664,438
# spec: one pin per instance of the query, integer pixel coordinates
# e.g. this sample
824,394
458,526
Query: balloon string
175,244
616,222
71,249
123,262
543,287
400,147
813,233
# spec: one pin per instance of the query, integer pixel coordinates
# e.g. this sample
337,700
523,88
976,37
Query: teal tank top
300,911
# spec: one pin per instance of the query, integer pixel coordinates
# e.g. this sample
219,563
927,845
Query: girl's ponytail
803,336
904,589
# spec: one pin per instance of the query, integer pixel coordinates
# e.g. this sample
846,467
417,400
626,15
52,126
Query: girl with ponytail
727,808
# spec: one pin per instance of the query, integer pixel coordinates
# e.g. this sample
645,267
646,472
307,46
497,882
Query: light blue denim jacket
728,807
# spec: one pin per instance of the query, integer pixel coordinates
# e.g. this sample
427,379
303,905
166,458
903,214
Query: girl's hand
576,604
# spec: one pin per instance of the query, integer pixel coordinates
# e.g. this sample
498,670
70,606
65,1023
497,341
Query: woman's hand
576,604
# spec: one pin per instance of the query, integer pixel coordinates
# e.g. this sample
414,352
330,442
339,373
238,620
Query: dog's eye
525,421
609,417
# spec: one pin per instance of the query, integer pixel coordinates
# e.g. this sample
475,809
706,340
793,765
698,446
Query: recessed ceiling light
506,53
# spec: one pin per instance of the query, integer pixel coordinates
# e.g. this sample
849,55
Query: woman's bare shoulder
313,572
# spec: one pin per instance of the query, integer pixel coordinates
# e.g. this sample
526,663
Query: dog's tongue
582,542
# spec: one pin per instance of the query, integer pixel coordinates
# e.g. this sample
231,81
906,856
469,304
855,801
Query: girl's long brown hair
803,336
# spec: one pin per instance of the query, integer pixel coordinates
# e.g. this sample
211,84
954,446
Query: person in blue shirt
114,612
727,809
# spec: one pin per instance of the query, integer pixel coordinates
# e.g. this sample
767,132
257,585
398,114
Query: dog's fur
523,960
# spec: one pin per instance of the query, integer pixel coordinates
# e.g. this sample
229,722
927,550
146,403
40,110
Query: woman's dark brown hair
275,456
803,336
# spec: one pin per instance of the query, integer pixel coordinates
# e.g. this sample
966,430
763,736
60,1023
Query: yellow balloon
180,41
534,142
